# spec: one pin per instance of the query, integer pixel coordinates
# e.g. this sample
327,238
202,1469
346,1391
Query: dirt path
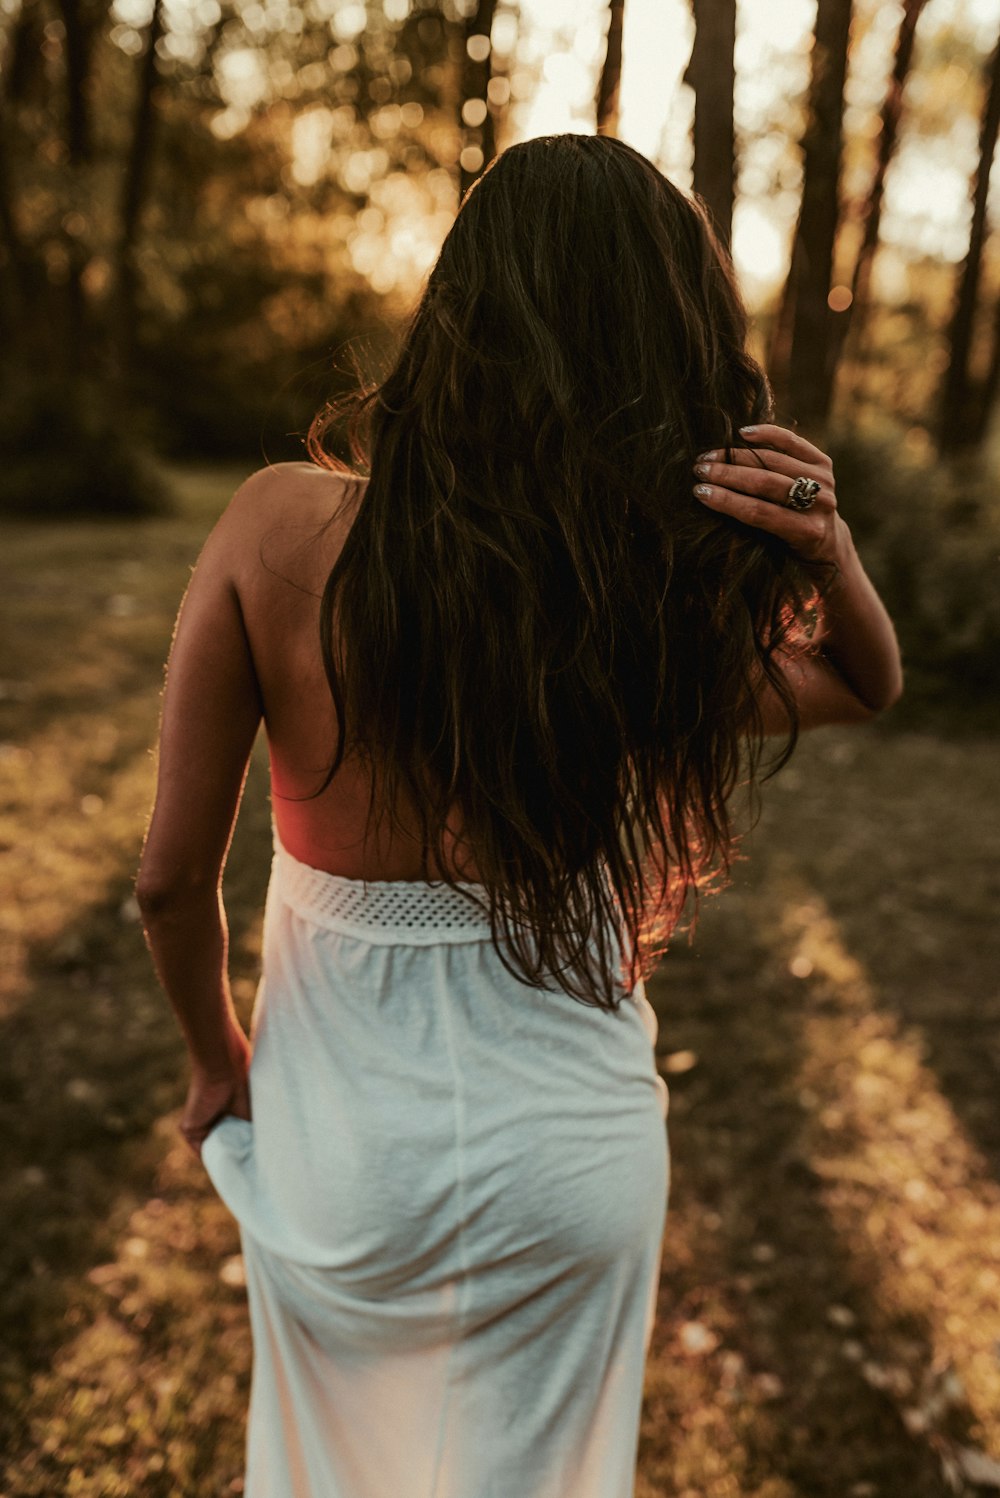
829,1318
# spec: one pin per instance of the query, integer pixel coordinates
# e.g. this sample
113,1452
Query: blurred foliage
64,452
204,262
929,536
220,388
292,180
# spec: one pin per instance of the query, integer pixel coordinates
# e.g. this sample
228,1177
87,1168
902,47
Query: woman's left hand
211,1096
754,488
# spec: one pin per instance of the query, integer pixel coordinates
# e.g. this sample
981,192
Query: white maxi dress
451,1202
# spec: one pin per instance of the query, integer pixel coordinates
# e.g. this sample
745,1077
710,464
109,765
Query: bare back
301,520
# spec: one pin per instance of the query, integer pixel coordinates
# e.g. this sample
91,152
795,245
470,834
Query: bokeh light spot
474,111
348,22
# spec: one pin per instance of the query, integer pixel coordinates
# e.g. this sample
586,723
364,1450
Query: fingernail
701,468
702,490
708,457
748,429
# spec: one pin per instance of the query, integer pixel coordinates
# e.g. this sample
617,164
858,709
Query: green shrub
63,452
929,536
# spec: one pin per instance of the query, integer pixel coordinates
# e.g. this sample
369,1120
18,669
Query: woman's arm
855,670
211,713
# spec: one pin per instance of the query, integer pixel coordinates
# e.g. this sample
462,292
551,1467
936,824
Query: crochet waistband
383,911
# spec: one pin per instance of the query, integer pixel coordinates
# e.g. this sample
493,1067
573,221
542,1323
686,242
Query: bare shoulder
291,491
288,516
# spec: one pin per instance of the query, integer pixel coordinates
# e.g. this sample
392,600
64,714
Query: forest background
211,211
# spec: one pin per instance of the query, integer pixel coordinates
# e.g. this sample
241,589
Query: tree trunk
989,390
610,81
25,65
804,382
14,270
69,305
956,424
77,53
780,339
871,216
474,97
711,73
133,196
31,312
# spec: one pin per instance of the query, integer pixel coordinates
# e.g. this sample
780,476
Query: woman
509,682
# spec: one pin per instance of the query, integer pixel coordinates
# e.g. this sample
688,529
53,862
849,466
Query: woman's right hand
214,1094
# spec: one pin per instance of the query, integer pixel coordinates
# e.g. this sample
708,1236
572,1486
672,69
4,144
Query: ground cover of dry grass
829,1319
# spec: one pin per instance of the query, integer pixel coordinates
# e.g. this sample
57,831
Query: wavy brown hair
534,631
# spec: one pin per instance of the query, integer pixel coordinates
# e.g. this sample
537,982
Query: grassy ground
829,1318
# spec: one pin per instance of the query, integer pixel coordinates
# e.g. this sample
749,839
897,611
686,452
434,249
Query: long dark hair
534,631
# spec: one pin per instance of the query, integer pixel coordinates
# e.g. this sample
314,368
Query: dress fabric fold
451,1202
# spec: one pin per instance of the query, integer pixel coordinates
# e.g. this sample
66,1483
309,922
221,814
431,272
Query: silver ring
802,494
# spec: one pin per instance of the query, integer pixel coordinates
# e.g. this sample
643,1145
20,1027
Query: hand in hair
854,669
754,488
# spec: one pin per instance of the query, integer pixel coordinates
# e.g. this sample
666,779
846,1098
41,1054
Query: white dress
451,1203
